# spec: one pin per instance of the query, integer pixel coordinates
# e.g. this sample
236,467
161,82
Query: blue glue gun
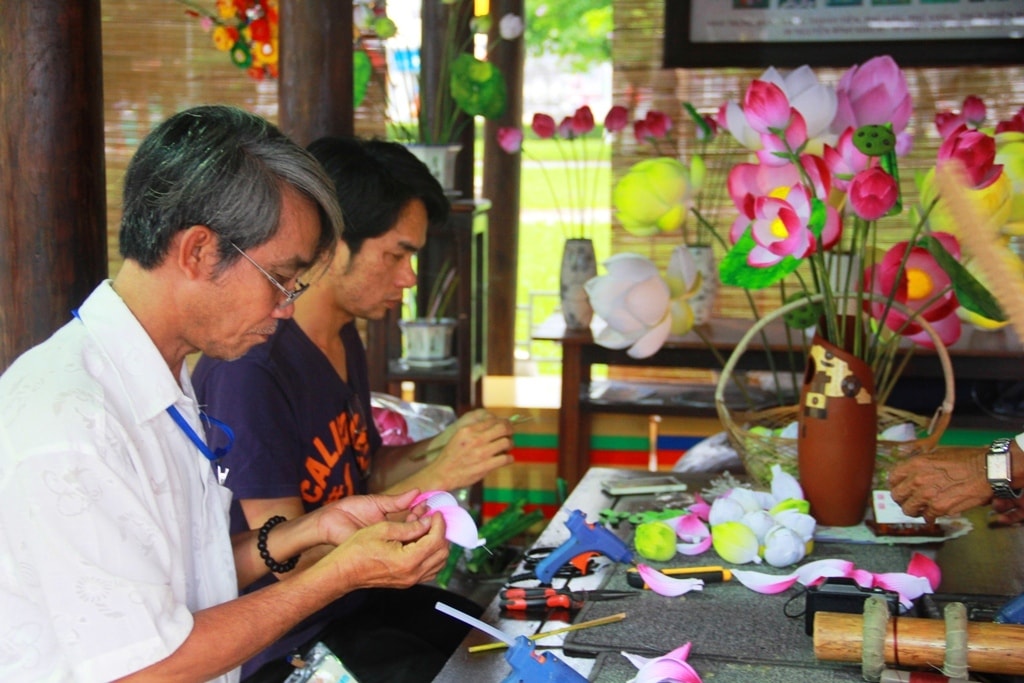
531,667
1012,612
585,538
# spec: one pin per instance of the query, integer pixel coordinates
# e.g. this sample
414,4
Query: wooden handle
991,648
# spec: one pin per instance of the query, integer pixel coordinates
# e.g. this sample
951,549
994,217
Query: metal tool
521,599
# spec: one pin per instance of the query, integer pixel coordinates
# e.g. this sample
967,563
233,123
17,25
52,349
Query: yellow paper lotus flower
994,201
735,543
655,195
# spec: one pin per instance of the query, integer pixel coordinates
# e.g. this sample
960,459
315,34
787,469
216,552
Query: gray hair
224,168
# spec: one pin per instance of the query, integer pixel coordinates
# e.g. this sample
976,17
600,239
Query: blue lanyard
212,456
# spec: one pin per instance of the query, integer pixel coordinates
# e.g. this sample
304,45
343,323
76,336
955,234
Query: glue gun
531,667
585,538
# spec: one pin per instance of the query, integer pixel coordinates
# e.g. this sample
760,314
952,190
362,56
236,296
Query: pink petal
767,584
821,569
863,577
701,508
909,587
666,585
694,534
460,528
667,670
924,566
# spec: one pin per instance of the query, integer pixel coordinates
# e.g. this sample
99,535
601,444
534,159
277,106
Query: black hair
374,180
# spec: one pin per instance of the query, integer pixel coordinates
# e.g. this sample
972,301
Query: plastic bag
401,422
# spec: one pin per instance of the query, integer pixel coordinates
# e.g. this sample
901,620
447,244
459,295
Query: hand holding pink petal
460,528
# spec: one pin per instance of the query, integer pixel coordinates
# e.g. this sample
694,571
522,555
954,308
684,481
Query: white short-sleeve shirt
113,528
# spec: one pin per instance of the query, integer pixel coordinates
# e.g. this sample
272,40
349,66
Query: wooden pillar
501,186
315,77
53,245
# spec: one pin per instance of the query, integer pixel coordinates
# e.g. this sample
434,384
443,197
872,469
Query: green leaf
361,71
478,87
971,294
734,270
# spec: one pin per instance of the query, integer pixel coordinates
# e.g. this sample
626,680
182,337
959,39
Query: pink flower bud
616,119
976,151
583,121
543,125
510,139
766,107
872,193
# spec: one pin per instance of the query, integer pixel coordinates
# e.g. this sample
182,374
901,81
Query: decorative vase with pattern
578,266
440,160
837,438
703,302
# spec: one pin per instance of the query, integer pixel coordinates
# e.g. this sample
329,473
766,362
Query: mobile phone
642,485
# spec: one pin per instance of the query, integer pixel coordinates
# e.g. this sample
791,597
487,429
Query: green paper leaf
478,87
361,71
735,271
971,294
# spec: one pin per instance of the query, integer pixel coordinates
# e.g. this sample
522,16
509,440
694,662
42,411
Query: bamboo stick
537,636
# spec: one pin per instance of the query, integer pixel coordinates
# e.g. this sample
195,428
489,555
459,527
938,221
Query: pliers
521,599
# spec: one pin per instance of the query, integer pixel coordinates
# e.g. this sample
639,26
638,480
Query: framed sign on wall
790,33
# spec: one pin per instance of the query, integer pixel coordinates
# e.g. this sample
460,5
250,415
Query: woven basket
759,451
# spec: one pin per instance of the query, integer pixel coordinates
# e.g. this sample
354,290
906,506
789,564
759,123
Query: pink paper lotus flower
845,160
976,151
922,286
669,668
972,113
874,93
460,528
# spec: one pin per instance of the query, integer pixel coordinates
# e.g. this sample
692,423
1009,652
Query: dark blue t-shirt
299,430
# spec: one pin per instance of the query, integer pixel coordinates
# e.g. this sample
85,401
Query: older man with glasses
117,562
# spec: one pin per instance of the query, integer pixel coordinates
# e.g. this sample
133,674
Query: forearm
298,536
224,636
394,465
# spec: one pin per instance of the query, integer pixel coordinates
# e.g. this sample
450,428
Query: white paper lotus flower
725,509
816,102
800,522
759,521
904,431
783,547
633,299
784,485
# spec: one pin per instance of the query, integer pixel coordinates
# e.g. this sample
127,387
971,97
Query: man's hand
945,482
478,445
340,520
391,554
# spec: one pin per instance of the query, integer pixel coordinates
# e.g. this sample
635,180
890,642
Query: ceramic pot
440,160
427,340
837,438
578,266
703,302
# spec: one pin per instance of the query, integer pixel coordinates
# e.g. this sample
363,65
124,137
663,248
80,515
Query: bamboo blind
641,84
157,60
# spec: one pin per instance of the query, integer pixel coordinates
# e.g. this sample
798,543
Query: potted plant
430,106
428,334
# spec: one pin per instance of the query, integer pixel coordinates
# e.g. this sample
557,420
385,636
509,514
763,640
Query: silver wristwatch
999,469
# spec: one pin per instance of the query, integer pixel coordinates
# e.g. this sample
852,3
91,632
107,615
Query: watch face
998,467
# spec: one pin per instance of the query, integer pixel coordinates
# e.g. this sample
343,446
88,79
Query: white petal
784,485
649,343
667,585
613,339
630,266
648,300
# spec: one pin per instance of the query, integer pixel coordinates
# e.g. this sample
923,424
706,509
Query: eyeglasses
289,296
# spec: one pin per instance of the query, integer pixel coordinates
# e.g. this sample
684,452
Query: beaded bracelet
261,545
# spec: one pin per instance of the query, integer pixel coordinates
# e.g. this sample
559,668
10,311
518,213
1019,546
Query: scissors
521,599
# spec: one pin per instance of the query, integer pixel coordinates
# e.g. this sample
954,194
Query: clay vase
836,443
578,265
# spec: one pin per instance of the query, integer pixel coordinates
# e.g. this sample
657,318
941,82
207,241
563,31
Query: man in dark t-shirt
300,409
